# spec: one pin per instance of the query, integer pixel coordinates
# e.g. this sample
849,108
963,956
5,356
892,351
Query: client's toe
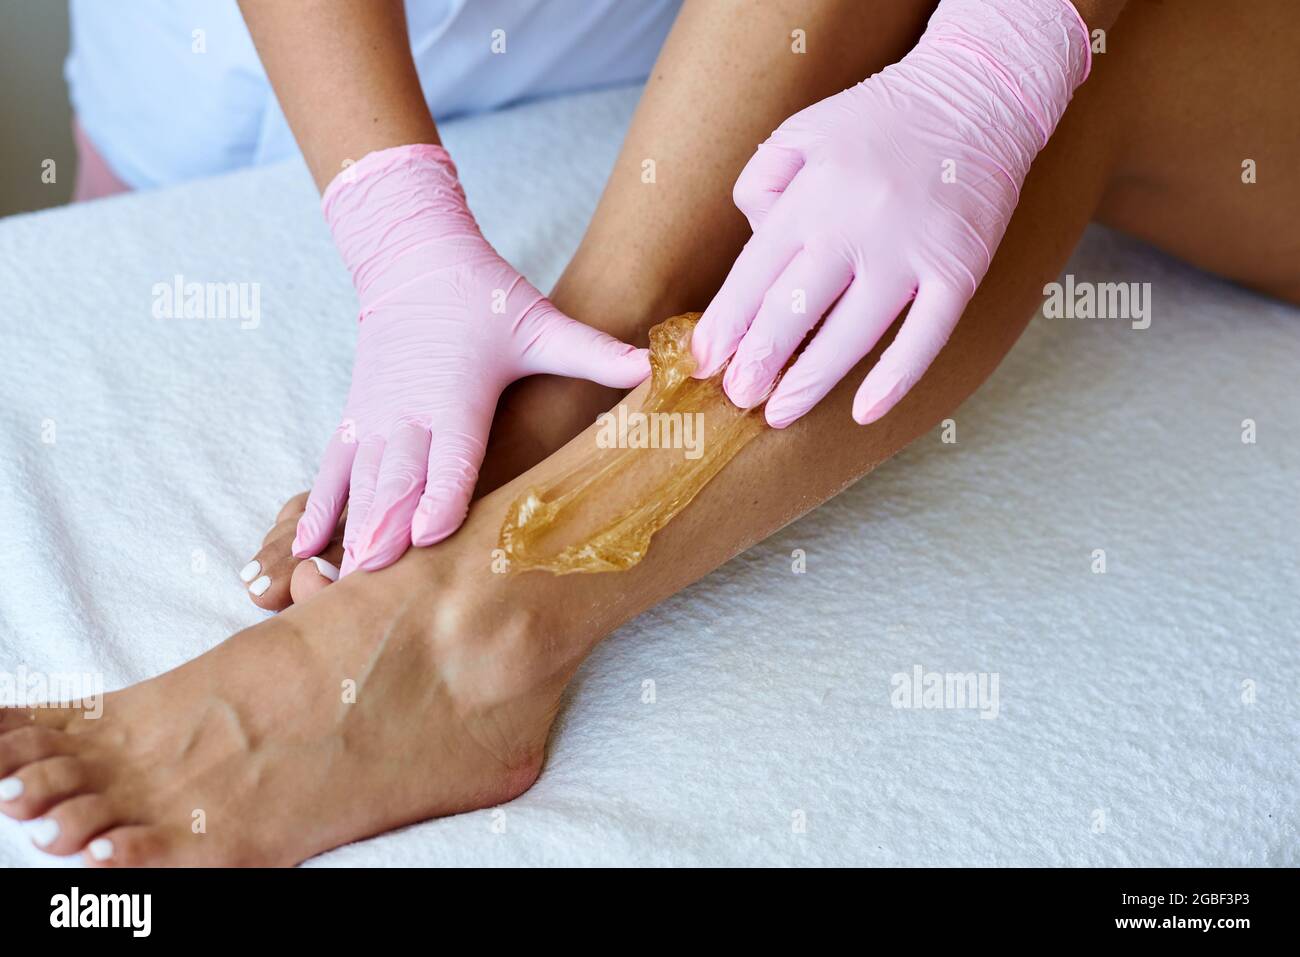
275,579
70,825
35,788
27,745
315,574
132,846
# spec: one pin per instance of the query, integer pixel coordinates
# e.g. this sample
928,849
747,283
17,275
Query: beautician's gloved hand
899,188
445,325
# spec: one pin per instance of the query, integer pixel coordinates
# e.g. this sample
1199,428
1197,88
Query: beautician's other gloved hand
898,188
445,325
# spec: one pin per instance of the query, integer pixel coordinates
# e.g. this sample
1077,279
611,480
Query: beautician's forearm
343,73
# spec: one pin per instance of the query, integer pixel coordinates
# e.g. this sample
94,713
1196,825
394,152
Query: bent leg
781,475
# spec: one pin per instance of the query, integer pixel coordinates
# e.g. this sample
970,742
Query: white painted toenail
326,569
260,586
249,571
44,831
10,789
101,848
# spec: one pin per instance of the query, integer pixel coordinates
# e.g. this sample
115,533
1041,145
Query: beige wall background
35,116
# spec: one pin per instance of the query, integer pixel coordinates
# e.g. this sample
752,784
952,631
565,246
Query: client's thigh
1210,136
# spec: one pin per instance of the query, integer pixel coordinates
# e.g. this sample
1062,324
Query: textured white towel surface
1146,716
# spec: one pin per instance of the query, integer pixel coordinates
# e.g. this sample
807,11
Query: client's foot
536,417
423,690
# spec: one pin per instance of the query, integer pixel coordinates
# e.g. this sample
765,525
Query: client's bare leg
721,85
430,687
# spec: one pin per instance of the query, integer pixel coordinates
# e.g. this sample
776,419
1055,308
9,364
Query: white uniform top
170,90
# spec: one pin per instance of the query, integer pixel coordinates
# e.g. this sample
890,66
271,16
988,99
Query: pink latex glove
899,188
445,325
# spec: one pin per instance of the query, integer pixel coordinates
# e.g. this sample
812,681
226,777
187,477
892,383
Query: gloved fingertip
875,398
738,384
304,547
302,539
431,536
371,548
866,414
349,564
700,341
703,363
377,558
430,533
633,368
434,521
781,417
731,378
